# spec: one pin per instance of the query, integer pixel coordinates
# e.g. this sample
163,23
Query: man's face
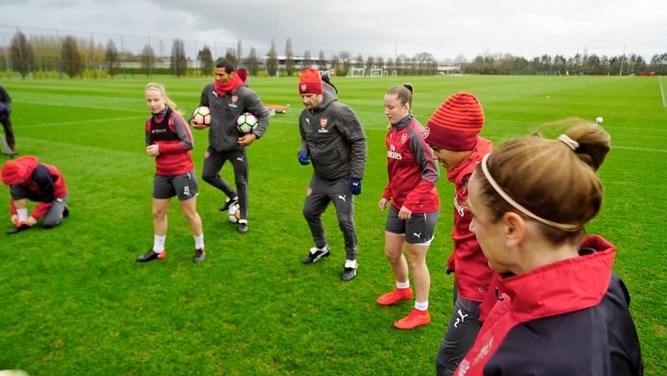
310,100
222,76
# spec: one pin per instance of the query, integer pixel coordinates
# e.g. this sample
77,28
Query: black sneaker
243,227
316,254
229,202
350,270
200,255
17,229
152,255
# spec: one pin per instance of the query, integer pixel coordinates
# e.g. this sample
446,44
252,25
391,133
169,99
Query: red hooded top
471,268
45,183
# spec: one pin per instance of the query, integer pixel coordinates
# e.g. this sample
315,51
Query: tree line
47,56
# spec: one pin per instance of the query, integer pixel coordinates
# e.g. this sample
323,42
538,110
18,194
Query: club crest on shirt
323,126
404,137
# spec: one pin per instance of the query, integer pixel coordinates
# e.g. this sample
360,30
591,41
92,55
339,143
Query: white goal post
357,72
376,72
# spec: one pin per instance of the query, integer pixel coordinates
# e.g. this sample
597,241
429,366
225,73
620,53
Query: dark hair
222,63
325,78
403,93
553,179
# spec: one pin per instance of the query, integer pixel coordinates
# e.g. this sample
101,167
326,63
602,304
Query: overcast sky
386,28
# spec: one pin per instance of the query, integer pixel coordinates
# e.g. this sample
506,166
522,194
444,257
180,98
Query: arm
353,131
429,171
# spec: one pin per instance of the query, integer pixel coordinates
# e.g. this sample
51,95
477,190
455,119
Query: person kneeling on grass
30,180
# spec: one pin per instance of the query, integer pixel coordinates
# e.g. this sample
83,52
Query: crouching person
31,180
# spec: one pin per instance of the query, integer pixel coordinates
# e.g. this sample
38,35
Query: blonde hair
163,91
552,181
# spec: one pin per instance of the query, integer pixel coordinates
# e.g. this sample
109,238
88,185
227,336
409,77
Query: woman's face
155,100
489,235
394,109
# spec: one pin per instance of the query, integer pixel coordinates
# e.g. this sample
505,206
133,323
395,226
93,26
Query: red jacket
45,184
471,268
411,168
570,317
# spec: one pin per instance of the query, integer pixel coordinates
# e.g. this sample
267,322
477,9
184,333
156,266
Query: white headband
519,207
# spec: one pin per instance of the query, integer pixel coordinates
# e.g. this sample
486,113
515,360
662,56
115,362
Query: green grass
76,303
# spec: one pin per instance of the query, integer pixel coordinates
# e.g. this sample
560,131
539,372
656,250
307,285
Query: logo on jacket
393,154
323,126
404,137
235,98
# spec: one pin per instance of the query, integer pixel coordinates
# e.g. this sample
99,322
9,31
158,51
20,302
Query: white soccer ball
201,115
246,123
599,120
234,213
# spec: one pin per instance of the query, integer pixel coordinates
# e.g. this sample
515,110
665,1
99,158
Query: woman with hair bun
561,310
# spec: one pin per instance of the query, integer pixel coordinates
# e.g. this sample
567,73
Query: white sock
22,214
422,306
199,241
403,285
351,264
158,243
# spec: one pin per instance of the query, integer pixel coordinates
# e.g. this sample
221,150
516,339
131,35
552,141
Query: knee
208,176
50,224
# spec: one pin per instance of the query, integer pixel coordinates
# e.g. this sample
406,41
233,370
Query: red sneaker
395,296
415,319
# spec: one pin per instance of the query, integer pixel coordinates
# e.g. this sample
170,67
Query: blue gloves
303,157
355,186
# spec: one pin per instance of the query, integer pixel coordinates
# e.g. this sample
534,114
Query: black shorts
418,229
184,186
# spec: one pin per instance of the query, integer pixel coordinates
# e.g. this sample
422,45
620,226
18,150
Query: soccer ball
599,120
246,123
201,115
234,213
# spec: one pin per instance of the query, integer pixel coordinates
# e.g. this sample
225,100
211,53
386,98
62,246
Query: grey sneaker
350,270
316,254
200,255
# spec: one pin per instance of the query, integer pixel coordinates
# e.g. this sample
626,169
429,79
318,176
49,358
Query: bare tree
307,59
272,61
323,61
23,58
147,60
179,63
252,62
70,57
289,58
111,59
230,56
206,61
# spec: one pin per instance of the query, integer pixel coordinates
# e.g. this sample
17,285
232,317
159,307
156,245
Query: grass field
74,301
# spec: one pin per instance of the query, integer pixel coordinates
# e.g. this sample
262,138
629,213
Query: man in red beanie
453,134
30,180
334,140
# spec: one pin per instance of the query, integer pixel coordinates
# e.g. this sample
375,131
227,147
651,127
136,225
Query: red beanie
310,81
13,173
454,125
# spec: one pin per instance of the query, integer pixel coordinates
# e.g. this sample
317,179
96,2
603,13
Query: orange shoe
415,319
395,296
